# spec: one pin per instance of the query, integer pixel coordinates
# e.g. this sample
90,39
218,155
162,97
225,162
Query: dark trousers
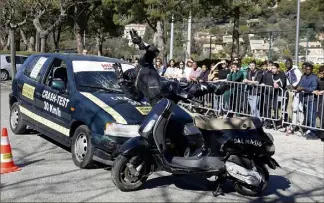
320,115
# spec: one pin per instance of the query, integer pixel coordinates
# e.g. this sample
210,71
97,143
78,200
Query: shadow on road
27,163
54,142
202,184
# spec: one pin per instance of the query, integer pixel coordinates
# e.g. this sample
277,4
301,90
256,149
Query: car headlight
120,130
149,126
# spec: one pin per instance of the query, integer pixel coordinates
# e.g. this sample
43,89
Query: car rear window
33,68
8,59
19,59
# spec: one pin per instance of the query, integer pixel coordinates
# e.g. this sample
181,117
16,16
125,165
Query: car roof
78,57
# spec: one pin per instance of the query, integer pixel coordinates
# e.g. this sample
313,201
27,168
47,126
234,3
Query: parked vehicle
74,100
5,65
234,149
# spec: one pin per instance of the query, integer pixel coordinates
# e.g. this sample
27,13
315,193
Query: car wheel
16,123
82,149
4,75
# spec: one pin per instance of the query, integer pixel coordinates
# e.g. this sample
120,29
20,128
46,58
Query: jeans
297,108
310,107
253,102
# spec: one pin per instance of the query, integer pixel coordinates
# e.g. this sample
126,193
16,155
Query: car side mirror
58,84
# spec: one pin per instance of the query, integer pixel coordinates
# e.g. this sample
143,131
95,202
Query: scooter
234,149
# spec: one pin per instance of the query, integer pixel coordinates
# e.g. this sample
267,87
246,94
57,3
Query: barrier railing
305,110
260,101
283,107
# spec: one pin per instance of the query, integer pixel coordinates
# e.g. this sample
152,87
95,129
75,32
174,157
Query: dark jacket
280,79
144,80
309,84
255,75
321,84
203,76
223,73
267,78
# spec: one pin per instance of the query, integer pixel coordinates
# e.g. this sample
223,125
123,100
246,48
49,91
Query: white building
228,39
202,36
311,44
140,28
215,48
315,55
259,48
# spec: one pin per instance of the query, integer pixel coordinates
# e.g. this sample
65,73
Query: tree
236,9
13,18
156,13
54,9
102,26
80,14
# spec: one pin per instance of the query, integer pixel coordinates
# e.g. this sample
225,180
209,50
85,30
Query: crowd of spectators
304,101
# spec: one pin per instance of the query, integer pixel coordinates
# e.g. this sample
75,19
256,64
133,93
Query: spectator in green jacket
231,96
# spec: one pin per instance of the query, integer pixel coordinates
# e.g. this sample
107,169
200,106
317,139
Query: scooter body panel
247,142
133,147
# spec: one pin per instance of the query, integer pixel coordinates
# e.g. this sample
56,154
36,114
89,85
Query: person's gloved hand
135,38
118,70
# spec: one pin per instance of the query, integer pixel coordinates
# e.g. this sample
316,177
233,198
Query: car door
52,104
26,85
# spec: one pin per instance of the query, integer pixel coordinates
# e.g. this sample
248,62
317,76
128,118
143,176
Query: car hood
123,109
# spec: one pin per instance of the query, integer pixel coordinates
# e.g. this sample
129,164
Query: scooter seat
201,163
219,124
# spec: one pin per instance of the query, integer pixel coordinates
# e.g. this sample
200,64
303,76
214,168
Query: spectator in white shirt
180,71
171,71
188,69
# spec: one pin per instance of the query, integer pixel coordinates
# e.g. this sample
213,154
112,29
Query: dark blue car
76,101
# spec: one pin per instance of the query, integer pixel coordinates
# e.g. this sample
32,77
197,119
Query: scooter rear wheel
249,191
123,178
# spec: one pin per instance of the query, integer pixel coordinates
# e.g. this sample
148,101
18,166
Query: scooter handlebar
186,97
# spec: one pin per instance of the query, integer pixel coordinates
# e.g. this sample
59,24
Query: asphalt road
48,174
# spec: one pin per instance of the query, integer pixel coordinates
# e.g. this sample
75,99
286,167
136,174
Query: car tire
4,75
82,149
16,123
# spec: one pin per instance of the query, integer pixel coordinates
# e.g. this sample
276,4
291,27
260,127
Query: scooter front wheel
123,177
248,191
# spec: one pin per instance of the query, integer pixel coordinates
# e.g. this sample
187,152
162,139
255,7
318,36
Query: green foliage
26,53
246,61
283,67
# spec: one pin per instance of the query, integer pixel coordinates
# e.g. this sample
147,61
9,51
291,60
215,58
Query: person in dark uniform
144,80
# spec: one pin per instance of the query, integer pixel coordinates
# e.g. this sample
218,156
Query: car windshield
97,80
98,76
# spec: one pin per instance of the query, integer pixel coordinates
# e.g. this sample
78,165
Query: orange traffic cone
7,164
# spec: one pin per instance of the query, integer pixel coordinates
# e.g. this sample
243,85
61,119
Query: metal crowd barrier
283,107
304,110
264,102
